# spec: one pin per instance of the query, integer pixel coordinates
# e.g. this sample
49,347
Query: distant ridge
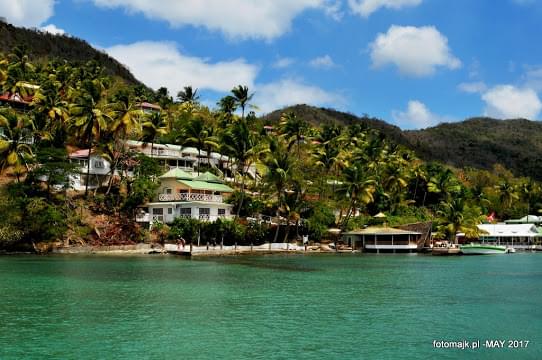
43,45
477,142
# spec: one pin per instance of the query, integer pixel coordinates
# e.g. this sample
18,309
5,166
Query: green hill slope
42,45
476,142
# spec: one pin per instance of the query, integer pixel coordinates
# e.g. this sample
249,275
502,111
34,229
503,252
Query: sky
412,63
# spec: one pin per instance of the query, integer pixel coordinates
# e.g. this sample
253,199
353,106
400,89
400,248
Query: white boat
482,249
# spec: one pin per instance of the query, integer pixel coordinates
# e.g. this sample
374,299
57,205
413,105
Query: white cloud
367,7
285,92
161,64
417,116
27,13
416,51
507,101
53,29
282,63
476,87
265,19
322,62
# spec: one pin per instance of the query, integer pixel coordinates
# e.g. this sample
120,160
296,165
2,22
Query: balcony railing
204,217
190,197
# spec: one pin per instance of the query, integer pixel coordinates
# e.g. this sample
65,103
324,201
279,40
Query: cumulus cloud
53,29
476,87
508,101
416,51
162,64
27,13
322,62
417,116
367,7
265,19
285,92
284,62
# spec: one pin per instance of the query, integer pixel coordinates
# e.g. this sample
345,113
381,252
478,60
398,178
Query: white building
100,170
182,194
519,236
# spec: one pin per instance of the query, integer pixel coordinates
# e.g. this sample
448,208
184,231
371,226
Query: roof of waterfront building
509,230
177,173
209,177
529,219
204,185
375,230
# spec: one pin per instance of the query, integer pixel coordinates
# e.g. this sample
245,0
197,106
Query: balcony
190,197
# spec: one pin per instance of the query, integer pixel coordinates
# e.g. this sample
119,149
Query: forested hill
483,142
45,46
319,116
477,142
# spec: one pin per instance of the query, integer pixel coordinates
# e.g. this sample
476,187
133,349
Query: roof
209,177
79,153
204,185
149,106
373,230
177,173
509,230
529,219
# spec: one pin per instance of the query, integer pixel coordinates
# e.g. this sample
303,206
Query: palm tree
507,194
357,187
227,106
14,140
51,109
456,216
444,183
188,95
241,144
89,117
293,128
279,165
153,126
196,133
242,98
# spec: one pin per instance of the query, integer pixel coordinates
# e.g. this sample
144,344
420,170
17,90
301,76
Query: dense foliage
310,176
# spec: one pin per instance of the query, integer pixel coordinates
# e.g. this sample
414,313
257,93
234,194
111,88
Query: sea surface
269,307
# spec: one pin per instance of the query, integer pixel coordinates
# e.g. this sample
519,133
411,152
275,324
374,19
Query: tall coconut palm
444,183
279,164
153,126
294,128
358,188
188,95
507,194
196,133
241,144
89,115
456,216
242,98
15,150
227,106
51,110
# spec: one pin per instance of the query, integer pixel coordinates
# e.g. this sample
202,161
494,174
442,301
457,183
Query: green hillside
45,46
477,142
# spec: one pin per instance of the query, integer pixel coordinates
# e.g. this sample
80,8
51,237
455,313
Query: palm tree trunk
88,162
242,193
287,231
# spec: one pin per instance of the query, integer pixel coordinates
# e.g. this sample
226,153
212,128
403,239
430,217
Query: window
158,211
221,212
186,211
169,211
204,211
99,164
167,190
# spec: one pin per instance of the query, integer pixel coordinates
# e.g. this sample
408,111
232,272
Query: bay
268,307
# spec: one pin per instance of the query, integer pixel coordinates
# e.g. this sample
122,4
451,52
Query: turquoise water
270,307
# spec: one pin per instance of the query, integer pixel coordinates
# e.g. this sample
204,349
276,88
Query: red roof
16,98
146,105
83,153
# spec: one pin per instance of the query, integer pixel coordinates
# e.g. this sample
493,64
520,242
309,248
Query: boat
445,248
482,249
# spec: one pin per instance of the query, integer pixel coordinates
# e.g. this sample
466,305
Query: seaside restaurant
382,239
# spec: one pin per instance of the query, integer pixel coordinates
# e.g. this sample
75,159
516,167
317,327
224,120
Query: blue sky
413,63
